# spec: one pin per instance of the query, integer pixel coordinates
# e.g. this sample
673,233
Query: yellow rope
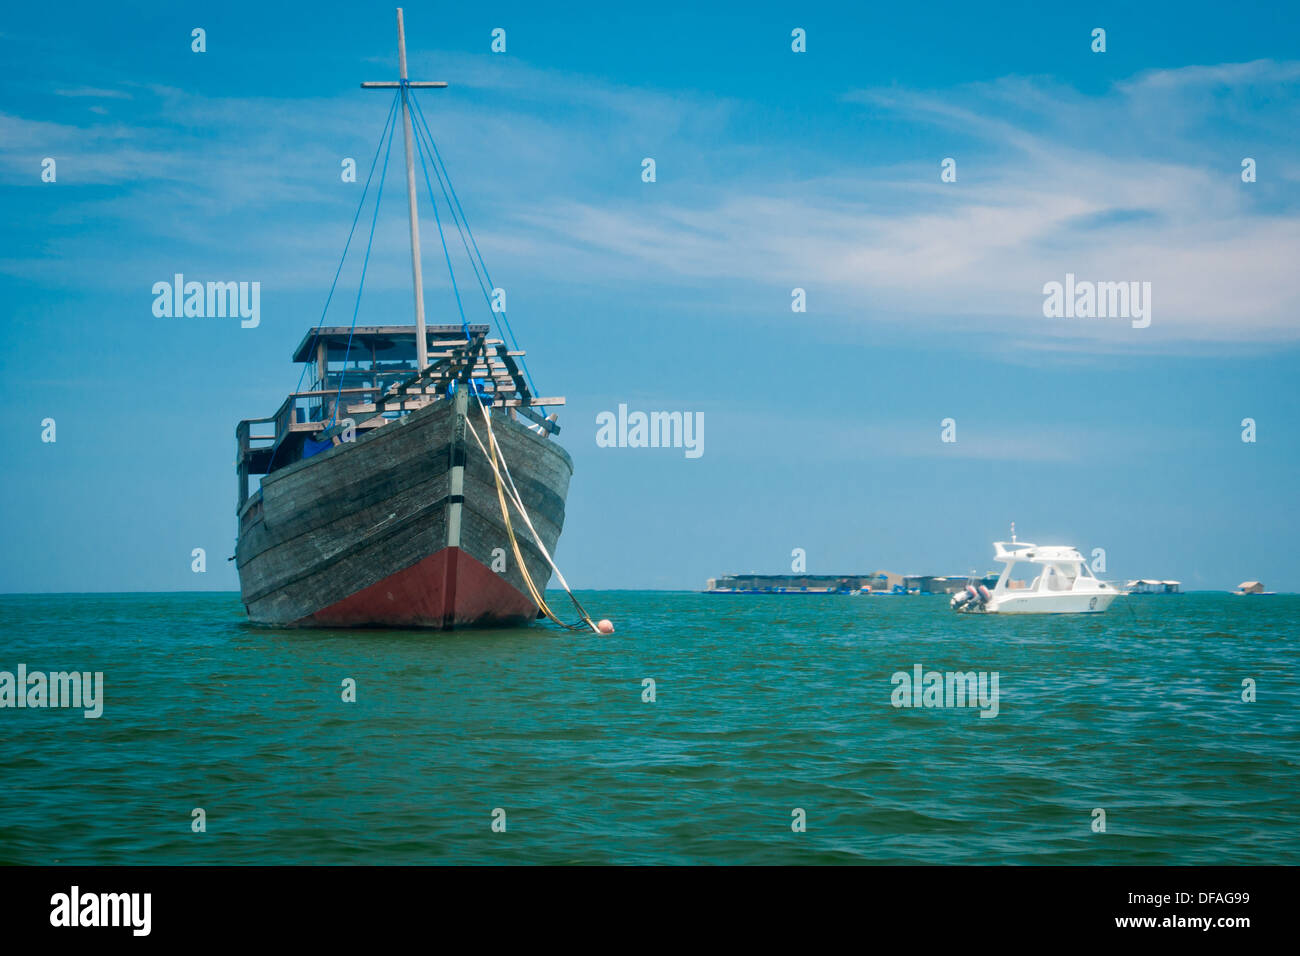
491,452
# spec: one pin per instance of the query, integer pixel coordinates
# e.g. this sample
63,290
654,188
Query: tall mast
421,339
403,84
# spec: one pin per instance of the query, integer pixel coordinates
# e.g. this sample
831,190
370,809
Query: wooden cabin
362,378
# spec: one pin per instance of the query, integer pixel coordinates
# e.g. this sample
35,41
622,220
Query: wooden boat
377,505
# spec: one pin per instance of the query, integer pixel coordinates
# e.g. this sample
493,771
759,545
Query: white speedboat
1064,584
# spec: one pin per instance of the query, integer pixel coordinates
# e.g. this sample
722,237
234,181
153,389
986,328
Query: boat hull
1086,602
372,533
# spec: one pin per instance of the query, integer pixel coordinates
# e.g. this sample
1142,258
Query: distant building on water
1251,587
875,582
1146,586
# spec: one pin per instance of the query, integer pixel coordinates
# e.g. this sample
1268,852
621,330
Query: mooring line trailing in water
506,486
538,598
533,591
518,500
513,492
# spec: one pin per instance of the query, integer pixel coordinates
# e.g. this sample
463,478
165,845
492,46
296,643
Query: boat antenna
1013,532
404,84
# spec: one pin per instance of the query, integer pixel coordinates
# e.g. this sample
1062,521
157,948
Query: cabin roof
338,335
1033,553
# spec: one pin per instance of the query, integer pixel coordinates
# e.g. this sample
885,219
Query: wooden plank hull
364,534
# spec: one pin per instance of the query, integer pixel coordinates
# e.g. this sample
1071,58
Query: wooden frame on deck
456,361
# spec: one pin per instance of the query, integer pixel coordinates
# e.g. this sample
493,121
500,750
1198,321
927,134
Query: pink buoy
605,627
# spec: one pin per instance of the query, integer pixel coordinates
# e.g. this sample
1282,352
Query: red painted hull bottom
445,590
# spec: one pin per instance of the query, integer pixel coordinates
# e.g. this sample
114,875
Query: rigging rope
365,263
454,204
424,139
507,491
505,485
392,112
419,149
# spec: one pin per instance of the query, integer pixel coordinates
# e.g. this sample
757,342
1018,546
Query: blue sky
775,170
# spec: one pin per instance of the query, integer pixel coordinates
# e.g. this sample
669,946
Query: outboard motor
970,598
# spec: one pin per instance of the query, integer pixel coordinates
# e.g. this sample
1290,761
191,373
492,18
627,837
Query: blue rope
379,195
439,162
423,134
445,254
504,323
392,112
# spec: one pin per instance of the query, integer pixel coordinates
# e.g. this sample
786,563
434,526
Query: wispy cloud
1136,183
1073,183
94,93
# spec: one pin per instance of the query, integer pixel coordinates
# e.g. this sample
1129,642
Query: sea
708,729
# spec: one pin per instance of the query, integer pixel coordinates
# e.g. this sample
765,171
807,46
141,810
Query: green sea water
763,706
